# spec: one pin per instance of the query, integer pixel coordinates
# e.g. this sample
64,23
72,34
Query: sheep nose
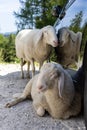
40,87
55,43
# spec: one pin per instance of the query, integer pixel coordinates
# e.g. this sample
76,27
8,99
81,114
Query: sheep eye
46,32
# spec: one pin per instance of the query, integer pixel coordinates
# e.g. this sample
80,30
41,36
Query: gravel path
23,116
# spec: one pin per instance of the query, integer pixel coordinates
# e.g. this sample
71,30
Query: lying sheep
69,46
35,45
51,90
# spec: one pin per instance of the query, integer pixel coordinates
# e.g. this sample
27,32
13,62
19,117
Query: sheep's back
24,42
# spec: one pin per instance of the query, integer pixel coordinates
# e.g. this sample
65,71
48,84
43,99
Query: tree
36,13
7,48
44,18
76,22
3,40
27,14
62,2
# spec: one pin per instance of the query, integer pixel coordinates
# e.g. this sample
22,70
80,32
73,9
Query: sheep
35,45
69,46
52,90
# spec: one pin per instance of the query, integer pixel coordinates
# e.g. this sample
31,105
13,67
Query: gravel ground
23,116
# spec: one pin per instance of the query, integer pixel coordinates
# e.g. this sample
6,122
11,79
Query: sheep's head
49,35
63,36
51,75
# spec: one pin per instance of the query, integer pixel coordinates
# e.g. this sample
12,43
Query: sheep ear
72,36
61,84
79,38
38,36
78,44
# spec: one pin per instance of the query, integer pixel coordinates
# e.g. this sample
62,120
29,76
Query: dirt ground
23,115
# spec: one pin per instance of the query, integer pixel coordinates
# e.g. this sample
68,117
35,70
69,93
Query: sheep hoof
66,115
8,105
40,111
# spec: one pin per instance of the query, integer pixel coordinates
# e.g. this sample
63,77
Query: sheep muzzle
41,88
55,43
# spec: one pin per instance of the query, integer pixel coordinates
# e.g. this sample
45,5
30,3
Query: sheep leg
22,63
40,111
33,67
28,68
26,94
16,101
38,108
75,107
40,65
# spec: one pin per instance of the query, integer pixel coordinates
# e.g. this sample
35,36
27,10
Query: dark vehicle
80,76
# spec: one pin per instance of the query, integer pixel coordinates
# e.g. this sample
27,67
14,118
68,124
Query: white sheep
69,46
51,90
35,45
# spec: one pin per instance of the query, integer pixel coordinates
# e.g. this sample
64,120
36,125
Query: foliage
2,41
53,56
76,22
46,17
7,48
29,10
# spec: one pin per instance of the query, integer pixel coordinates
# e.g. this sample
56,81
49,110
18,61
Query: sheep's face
49,77
63,36
50,36
46,77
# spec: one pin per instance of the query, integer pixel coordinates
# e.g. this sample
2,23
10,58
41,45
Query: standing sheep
51,90
35,45
69,46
